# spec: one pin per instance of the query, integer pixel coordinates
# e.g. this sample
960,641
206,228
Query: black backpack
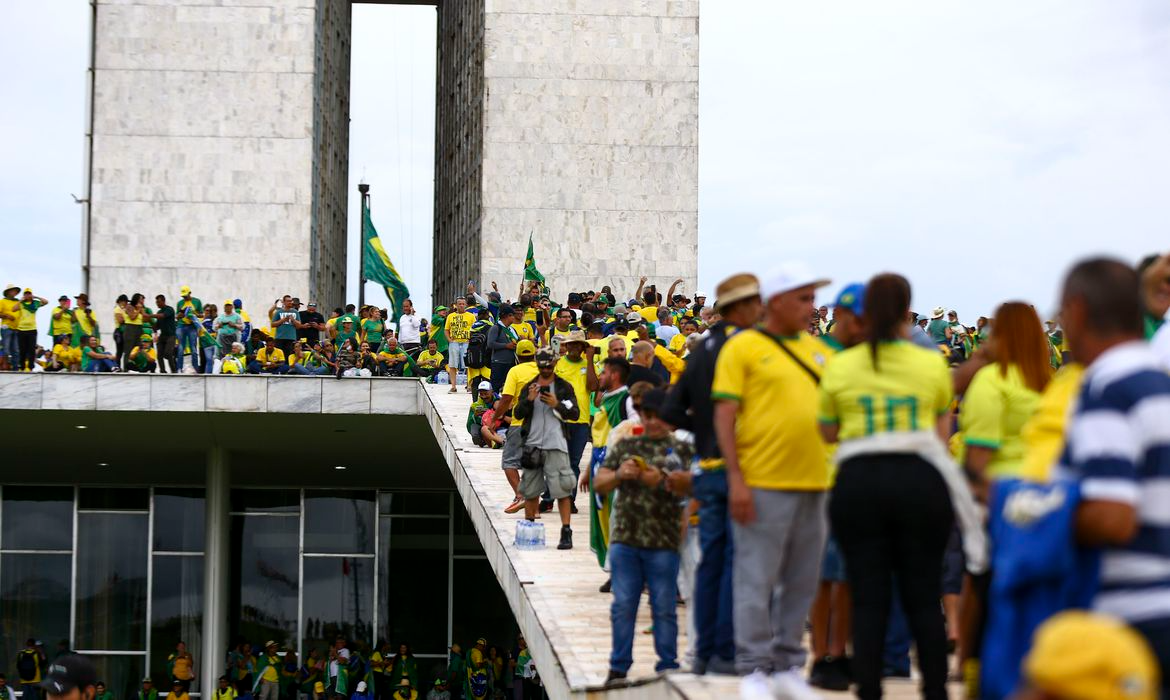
477,355
26,665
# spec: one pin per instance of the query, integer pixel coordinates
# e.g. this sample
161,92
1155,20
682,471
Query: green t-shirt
937,330
373,330
184,306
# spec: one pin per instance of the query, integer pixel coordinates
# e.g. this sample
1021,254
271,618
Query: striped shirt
1118,446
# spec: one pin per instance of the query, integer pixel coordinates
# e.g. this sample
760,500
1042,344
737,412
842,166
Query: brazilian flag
530,271
377,266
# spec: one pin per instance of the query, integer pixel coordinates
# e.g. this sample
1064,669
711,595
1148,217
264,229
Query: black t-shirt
638,373
166,324
311,334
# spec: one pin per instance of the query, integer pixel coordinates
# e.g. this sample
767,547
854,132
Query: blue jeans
101,366
8,344
632,569
188,339
300,369
254,367
208,359
712,598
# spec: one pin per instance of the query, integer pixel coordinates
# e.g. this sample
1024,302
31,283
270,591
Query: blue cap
236,303
852,299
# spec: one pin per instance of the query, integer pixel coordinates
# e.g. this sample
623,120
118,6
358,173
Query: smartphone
540,317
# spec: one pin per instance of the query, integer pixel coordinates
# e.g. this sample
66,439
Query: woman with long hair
887,401
1003,396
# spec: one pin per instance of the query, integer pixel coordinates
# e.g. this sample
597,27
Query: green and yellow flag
530,271
377,266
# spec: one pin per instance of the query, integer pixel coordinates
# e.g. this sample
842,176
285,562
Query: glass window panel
264,575
113,499
178,520
466,541
111,581
37,517
412,582
339,522
339,599
122,674
176,612
266,501
34,600
480,608
413,502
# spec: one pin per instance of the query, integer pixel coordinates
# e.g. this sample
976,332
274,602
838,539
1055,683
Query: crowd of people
886,477
343,671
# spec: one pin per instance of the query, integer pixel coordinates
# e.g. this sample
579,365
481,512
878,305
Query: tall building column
217,506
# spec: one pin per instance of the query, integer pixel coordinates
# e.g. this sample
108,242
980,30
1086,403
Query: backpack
27,666
477,355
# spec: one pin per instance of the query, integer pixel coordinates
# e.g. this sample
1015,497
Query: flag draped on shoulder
530,271
377,266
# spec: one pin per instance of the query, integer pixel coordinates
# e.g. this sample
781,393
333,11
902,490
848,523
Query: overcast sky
977,148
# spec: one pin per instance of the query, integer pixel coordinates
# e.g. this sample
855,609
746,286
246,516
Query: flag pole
364,189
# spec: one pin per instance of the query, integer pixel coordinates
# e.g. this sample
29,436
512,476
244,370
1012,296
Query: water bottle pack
529,535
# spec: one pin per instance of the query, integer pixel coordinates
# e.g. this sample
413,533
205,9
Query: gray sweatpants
777,553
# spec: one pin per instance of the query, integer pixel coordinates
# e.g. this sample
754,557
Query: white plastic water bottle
529,535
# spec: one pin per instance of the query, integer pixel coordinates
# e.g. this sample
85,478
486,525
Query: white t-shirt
665,333
343,653
408,328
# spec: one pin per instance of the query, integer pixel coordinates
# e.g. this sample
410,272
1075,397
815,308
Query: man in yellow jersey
457,327
522,372
690,407
62,319
765,388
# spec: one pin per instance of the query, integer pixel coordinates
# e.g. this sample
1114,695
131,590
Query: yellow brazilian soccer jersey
518,377
263,355
67,355
430,360
777,440
575,374
524,331
650,313
1043,434
64,324
678,344
458,326
993,413
907,392
12,308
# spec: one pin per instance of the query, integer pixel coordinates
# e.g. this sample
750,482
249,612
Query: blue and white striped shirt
1118,446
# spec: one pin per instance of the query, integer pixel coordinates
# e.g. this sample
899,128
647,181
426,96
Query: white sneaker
756,686
791,685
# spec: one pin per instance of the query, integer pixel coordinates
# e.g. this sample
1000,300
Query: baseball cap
788,277
63,297
69,672
1087,656
184,289
634,317
484,386
525,348
546,356
237,303
852,299
144,336
319,687
312,304
228,302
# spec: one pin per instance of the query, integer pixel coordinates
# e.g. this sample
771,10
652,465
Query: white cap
787,277
699,294
484,386
361,687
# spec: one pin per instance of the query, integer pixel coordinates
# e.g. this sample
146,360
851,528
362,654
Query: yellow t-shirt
150,353
523,331
776,435
517,378
458,326
575,373
530,315
64,324
430,360
650,313
67,355
908,391
28,319
84,322
1043,434
270,674
262,355
992,414
12,308
678,344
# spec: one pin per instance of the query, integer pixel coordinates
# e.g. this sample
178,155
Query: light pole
364,189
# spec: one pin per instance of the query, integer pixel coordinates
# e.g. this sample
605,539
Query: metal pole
365,190
216,548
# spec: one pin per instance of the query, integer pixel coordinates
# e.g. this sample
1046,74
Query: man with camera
546,405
